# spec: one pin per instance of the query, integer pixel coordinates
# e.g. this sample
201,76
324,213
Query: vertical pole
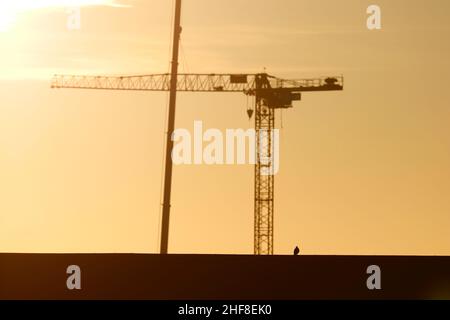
171,127
264,177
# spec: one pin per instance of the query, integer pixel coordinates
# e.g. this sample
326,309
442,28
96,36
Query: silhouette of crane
271,93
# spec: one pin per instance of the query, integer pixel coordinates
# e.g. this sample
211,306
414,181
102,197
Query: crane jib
194,83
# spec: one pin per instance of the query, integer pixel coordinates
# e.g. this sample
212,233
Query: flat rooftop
192,277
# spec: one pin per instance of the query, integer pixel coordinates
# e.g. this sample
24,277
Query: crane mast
264,178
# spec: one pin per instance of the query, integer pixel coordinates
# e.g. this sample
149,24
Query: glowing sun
8,14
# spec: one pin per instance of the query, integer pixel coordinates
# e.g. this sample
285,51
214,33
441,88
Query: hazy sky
363,171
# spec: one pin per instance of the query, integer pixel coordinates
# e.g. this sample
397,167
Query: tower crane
271,93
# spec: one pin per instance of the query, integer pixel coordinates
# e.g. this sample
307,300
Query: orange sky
364,171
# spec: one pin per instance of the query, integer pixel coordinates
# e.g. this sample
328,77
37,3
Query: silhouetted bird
296,251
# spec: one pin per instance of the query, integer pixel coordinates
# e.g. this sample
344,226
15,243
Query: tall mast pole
171,127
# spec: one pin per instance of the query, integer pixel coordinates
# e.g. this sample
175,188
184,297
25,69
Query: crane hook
250,111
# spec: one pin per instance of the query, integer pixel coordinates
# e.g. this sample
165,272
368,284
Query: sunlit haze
362,171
